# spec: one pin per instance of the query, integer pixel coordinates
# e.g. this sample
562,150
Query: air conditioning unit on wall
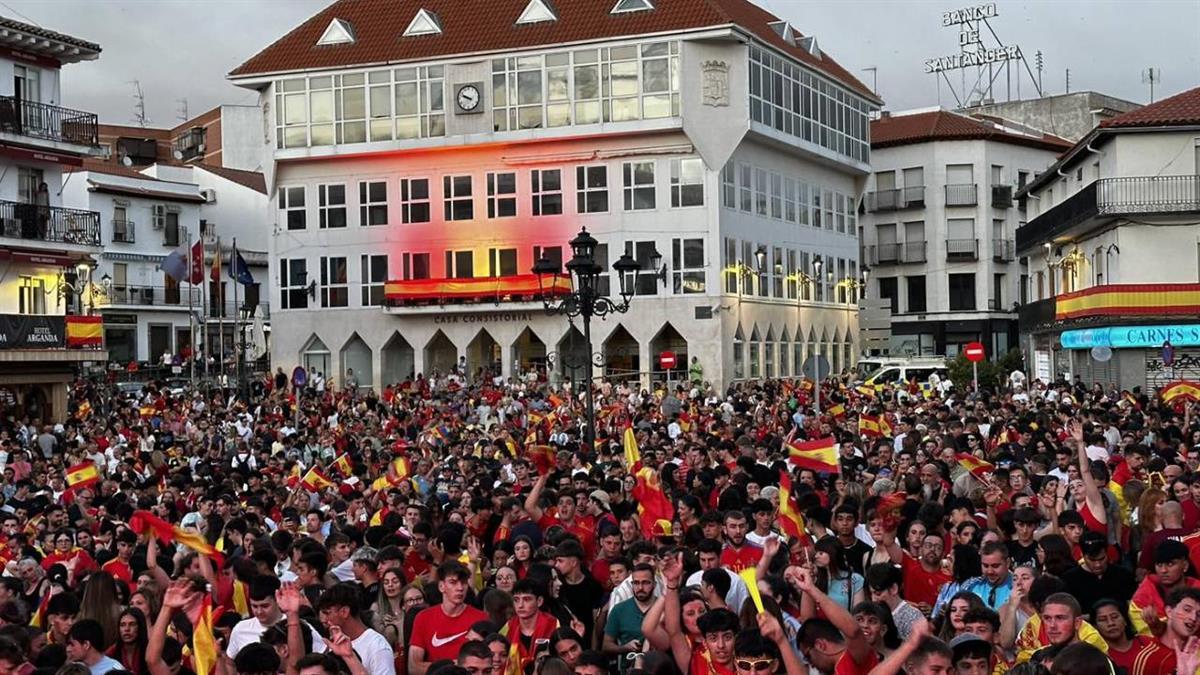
209,195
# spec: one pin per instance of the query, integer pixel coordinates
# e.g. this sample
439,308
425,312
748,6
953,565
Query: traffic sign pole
975,376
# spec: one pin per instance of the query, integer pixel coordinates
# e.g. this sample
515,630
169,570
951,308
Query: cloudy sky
182,49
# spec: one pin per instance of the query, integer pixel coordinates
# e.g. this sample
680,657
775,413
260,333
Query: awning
481,288
47,259
1129,300
60,158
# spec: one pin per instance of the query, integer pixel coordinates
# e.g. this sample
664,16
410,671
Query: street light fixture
585,300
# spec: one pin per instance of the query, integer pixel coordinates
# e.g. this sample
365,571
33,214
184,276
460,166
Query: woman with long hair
1146,518
1015,613
522,556
966,568
834,577
132,637
951,623
1124,646
387,612
1054,554
99,602
147,602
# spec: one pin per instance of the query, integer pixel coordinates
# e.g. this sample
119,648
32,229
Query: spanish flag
204,645
84,409
838,411
241,597
789,518
633,454
977,467
344,466
82,475
293,479
85,331
382,483
865,390
1188,391
655,510
819,455
315,480
144,522
885,428
868,425
514,658
555,400
542,457
39,617
685,421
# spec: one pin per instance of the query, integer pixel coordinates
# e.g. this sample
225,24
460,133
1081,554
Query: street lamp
817,276
585,300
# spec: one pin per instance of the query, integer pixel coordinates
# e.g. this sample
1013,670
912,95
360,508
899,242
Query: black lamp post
585,300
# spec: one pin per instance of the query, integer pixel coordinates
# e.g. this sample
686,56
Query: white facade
668,180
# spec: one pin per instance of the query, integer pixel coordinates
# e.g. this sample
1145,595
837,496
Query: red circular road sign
667,360
974,352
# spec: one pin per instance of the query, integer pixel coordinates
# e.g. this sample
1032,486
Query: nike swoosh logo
442,642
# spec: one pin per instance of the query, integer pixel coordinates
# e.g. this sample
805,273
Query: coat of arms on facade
716,83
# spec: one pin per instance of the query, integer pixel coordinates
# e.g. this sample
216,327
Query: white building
147,214
46,250
1113,244
426,153
939,224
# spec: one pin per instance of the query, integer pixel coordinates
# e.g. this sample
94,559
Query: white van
903,371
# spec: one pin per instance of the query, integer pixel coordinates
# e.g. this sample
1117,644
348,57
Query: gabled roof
338,32
489,26
80,49
1178,110
251,179
943,125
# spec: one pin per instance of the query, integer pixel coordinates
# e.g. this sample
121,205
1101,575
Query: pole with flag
215,275
191,314
239,272
237,316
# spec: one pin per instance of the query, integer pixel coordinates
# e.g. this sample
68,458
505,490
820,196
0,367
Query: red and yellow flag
204,645
1187,391
789,518
344,466
315,480
837,411
85,331
655,510
82,475
542,457
973,464
633,454
885,427
144,522
38,619
868,425
293,479
685,421
819,455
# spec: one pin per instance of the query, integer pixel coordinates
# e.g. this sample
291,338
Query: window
842,202
291,202
420,102
789,199
888,289
729,185
546,192
803,206
331,206
456,198
687,182
460,264
591,189
501,195
350,106
502,262
777,274
739,358
603,288
414,200
372,203
731,269
171,226
792,276
414,266
916,293
639,185
170,289
776,196
293,283
962,292
32,295
760,192
827,201
644,283
687,263
816,207
997,292
373,276
335,288
745,186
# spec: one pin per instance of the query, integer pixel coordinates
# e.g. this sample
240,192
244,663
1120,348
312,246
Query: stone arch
356,355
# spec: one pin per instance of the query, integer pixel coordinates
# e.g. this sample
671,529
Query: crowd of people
451,526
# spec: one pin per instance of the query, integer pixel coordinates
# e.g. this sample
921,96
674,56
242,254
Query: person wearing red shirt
440,631
835,644
1136,654
76,560
738,554
566,515
529,626
119,566
924,577
417,561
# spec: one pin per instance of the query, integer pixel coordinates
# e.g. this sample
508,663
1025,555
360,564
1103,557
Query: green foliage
992,374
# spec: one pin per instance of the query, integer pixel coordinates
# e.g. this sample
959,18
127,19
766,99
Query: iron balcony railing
883,200
962,249
123,231
1107,198
49,122
49,223
961,195
153,296
913,196
882,254
914,251
1002,196
888,254
1002,250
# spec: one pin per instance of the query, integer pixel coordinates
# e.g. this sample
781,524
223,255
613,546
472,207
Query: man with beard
924,576
623,631
996,584
739,554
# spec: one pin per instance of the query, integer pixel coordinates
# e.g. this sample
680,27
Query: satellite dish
1101,353
125,160
177,155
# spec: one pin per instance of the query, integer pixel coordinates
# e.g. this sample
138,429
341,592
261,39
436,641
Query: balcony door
28,181
27,84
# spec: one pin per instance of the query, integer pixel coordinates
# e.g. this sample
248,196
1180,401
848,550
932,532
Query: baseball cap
602,497
1169,551
964,644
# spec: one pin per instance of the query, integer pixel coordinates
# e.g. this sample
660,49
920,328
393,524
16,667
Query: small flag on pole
819,455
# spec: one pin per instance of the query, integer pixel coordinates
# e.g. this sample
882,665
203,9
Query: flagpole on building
204,304
237,314
220,310
191,316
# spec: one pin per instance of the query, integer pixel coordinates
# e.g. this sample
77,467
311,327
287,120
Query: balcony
48,122
53,224
961,195
1108,198
914,251
962,249
914,197
1003,250
122,231
153,296
891,254
883,200
884,254
1002,196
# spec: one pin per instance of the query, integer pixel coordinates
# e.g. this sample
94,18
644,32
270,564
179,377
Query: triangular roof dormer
631,6
784,30
339,32
538,11
424,23
809,44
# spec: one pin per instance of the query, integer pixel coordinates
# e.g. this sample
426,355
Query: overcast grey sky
183,49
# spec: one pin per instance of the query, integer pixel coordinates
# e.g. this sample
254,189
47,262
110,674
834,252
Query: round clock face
468,97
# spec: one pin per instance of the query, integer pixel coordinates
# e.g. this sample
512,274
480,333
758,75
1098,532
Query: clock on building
468,98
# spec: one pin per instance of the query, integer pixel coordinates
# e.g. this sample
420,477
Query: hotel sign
19,331
972,52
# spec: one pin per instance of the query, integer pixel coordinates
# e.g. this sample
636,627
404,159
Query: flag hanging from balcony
85,331
238,270
197,275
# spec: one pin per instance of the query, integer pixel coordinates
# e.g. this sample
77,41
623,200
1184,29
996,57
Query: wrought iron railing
123,231
1002,250
49,223
961,195
51,122
962,249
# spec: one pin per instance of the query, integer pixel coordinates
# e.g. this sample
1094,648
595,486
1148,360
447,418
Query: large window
591,189
760,191
502,262
642,284
546,191
331,206
456,198
729,185
355,107
687,265
687,182
639,185
501,195
962,292
372,277
292,204
888,288
414,200
790,99
587,86
460,264
293,283
32,299
916,293
335,287
414,266
372,203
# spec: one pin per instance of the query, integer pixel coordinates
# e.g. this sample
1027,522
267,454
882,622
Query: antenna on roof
182,113
1152,76
874,70
139,106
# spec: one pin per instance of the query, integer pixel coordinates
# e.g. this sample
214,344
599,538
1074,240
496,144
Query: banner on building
18,331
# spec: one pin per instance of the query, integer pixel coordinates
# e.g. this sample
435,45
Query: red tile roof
1182,109
943,125
478,26
251,179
